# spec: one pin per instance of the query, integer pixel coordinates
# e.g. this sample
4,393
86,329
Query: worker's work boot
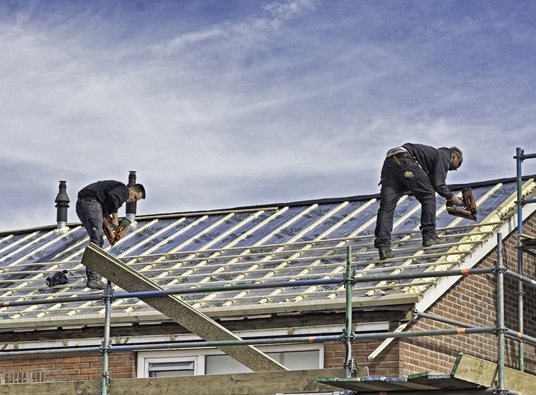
431,241
94,280
385,252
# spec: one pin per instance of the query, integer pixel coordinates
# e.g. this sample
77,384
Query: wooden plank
118,273
423,383
380,384
242,384
430,392
296,381
441,381
483,372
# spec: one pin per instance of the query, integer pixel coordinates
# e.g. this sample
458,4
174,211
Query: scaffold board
170,305
485,373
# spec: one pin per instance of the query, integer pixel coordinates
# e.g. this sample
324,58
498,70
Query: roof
245,245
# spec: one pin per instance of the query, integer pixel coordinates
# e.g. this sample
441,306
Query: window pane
293,360
221,364
171,369
297,360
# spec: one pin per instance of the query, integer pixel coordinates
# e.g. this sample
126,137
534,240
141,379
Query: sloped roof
280,242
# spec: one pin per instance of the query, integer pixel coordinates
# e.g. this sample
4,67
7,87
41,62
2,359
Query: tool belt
399,154
87,199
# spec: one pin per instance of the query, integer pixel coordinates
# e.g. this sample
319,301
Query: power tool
113,234
469,209
59,278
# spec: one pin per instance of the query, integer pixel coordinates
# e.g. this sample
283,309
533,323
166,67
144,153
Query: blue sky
220,104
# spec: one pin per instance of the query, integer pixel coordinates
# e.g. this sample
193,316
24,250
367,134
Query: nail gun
113,234
469,209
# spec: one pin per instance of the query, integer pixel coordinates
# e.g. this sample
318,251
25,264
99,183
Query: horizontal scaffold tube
520,277
528,156
439,332
520,336
248,286
180,291
317,339
49,351
443,319
252,341
408,276
176,345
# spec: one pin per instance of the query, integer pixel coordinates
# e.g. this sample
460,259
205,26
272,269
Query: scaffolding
349,280
525,244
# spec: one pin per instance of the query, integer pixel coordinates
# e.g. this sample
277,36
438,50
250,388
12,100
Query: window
214,361
171,369
166,365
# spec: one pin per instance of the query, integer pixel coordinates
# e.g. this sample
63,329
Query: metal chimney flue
131,207
62,205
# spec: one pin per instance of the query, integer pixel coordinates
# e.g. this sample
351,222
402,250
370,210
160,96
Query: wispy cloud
219,104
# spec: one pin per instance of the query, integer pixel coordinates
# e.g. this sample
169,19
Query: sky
228,103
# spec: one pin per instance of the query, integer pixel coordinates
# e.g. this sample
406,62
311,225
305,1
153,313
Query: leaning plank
296,381
483,372
119,273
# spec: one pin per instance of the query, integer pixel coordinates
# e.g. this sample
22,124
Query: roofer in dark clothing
422,170
103,198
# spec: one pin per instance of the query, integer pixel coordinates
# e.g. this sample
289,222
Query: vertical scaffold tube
501,329
108,296
519,161
349,333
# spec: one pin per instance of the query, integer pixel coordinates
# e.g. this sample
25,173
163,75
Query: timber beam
173,307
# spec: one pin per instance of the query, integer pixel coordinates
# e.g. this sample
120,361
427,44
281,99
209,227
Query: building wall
472,301
529,302
122,365
64,367
387,364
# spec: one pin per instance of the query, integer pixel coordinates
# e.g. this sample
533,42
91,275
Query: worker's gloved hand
115,222
456,201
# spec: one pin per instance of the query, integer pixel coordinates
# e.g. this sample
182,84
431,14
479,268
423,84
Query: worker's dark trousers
399,175
89,212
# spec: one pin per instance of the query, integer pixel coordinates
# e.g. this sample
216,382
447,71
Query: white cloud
273,101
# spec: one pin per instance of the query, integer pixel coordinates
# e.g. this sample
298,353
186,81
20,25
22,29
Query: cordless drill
113,234
469,209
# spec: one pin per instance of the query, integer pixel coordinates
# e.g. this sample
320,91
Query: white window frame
197,356
146,359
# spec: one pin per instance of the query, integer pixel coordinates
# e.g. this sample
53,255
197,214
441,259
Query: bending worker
422,170
103,198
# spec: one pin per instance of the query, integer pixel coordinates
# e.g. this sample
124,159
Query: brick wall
386,364
529,301
122,365
64,367
472,301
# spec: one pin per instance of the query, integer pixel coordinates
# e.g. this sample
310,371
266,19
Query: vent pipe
131,207
62,204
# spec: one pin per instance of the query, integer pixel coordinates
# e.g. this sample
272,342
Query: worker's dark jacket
422,170
110,194
435,162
